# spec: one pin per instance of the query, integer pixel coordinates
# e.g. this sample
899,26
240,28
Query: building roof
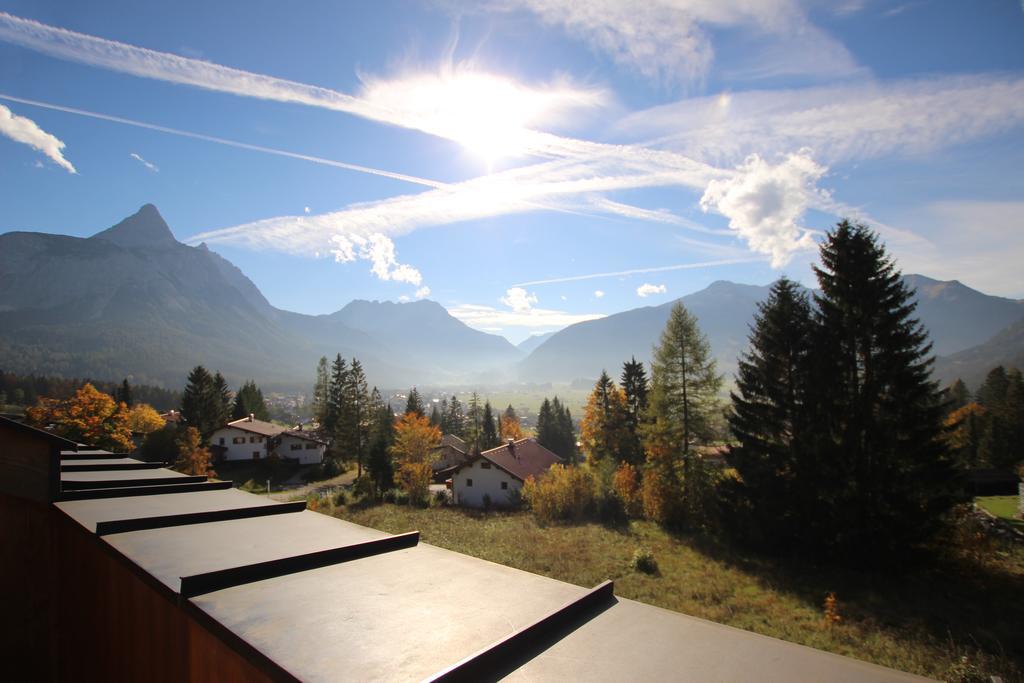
455,442
522,459
306,436
281,582
251,424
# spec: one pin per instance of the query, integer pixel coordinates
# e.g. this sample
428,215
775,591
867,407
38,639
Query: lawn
257,471
922,620
1004,507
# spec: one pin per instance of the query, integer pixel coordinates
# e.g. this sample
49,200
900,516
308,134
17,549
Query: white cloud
423,292
25,131
379,250
518,299
305,210
764,203
667,40
840,122
598,294
488,317
150,166
640,271
646,290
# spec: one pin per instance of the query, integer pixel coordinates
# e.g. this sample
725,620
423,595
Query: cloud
484,317
764,203
423,292
667,41
305,210
640,271
25,131
518,299
379,250
646,290
840,122
598,294
151,167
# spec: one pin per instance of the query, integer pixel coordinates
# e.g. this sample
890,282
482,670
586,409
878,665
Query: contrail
640,271
231,143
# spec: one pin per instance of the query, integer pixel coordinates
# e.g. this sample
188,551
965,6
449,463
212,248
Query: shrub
643,561
340,497
561,493
660,493
626,485
439,499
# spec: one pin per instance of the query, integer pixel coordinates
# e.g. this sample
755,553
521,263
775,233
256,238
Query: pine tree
958,395
199,405
555,431
123,394
884,473
435,417
249,401
414,404
355,416
993,390
566,431
378,463
474,424
635,387
455,422
321,391
547,427
335,397
769,417
488,432
220,402
683,403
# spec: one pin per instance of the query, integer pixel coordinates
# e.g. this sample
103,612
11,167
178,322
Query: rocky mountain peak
145,228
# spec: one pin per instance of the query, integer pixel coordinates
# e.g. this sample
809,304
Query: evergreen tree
335,397
547,426
442,416
435,417
414,404
635,387
769,415
566,431
249,401
379,465
683,404
604,431
321,391
555,431
884,473
993,391
474,424
355,417
123,394
958,395
199,403
488,432
455,422
221,402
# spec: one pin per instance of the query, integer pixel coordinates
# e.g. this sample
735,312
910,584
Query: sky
528,164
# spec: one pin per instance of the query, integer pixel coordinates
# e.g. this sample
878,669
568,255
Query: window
296,446
260,439
310,446
252,439
238,439
222,441
255,455
469,482
485,465
504,485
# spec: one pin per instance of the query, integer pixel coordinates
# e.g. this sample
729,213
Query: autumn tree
414,447
604,431
192,457
143,419
89,417
510,427
965,428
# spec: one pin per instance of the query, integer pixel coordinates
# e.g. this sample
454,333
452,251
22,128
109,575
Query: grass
922,620
1004,507
257,471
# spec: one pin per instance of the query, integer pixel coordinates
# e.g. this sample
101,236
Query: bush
626,485
414,478
340,497
660,494
643,561
439,499
562,493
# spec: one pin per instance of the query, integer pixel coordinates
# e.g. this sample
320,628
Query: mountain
132,300
971,365
533,341
724,310
956,316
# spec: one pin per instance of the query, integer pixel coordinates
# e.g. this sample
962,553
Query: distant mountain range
133,301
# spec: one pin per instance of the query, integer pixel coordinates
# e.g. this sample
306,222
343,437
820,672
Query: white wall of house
472,482
305,451
240,444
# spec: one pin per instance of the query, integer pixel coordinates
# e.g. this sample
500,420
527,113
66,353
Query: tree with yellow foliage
143,419
89,417
193,457
604,432
414,449
511,428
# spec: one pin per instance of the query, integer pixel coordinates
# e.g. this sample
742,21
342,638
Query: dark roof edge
65,444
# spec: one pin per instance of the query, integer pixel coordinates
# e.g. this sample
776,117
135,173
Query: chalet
452,452
496,476
251,439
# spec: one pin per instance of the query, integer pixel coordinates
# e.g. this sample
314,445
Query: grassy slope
1004,507
920,622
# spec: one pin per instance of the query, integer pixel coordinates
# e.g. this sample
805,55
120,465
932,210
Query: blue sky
526,163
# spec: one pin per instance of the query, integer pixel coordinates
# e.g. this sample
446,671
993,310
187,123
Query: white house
496,476
252,439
